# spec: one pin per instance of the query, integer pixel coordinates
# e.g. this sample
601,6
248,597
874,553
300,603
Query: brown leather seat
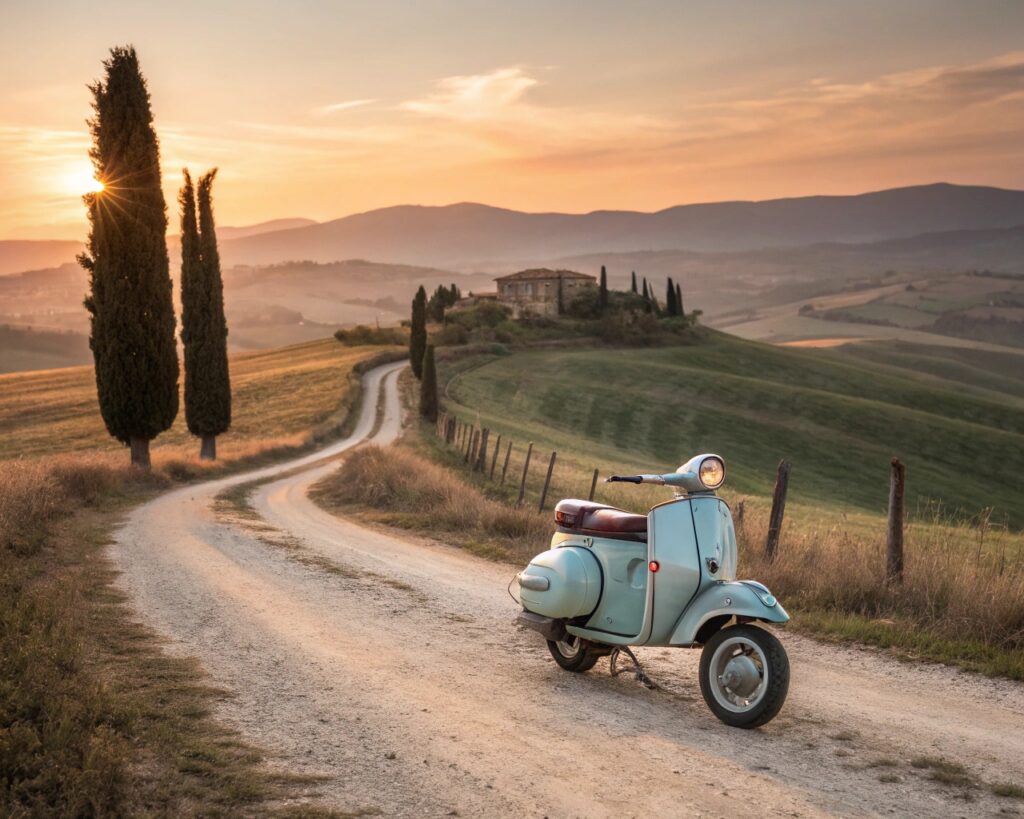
599,519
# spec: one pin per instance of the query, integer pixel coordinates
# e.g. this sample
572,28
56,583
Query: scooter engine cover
574,583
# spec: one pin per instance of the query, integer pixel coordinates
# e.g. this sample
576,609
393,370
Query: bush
362,336
486,314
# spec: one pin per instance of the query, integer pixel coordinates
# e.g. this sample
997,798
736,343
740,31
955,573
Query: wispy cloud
337,107
474,96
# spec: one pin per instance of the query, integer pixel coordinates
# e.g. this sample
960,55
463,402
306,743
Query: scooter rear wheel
574,653
744,675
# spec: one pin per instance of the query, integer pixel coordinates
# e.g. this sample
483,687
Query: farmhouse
535,292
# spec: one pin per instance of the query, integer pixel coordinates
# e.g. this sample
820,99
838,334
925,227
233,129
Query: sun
81,180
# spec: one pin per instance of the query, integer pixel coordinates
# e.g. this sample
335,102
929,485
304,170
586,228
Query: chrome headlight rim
711,459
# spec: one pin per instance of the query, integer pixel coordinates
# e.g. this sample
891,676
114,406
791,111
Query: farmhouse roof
544,273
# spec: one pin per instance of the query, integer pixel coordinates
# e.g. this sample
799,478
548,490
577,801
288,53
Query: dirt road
391,666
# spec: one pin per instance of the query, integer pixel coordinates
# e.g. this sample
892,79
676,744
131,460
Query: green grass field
837,416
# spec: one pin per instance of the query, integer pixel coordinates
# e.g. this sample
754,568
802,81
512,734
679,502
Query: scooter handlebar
625,479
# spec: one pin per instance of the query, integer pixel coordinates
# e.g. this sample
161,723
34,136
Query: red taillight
654,565
564,518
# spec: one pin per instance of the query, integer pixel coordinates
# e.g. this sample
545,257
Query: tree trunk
140,452
208,448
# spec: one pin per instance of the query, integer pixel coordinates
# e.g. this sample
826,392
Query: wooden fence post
771,545
547,482
894,547
593,486
526,469
494,459
481,458
470,448
504,469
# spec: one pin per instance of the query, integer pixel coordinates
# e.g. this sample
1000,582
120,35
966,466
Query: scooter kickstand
637,670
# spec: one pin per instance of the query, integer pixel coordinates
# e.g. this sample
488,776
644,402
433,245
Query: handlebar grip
624,479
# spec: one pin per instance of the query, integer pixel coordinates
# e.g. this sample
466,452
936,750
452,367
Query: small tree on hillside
428,386
632,285
603,289
204,329
418,332
670,298
679,300
648,307
132,313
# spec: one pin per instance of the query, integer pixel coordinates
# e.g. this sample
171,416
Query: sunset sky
321,109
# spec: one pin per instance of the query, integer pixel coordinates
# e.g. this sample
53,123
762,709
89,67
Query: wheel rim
569,647
738,674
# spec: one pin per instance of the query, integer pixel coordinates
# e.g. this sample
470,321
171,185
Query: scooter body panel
730,599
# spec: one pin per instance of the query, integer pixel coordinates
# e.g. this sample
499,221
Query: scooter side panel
624,565
734,599
569,583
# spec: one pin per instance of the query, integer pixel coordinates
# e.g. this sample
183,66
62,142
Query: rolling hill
837,416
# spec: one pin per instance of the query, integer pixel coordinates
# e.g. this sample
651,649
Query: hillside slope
838,419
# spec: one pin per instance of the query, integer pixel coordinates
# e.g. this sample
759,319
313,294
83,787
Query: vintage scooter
612,579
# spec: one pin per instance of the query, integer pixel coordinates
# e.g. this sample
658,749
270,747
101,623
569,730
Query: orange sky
332,108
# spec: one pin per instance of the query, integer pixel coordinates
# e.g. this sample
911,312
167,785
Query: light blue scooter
612,579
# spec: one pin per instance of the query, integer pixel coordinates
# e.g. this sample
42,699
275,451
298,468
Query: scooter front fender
727,598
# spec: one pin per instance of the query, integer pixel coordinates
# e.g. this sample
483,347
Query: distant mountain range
470,236
478,237
17,256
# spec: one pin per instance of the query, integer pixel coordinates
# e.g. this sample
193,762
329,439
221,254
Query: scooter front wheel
574,653
744,675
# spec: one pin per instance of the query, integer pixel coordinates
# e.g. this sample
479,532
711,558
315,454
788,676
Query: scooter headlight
711,472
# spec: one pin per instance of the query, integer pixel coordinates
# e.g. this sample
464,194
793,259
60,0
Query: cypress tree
129,301
204,329
428,386
603,292
418,332
633,284
648,307
670,298
679,300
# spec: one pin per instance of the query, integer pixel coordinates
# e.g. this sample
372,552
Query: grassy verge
95,718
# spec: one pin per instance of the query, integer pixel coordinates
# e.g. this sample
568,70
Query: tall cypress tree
132,313
670,298
633,283
204,329
603,291
418,332
648,307
428,386
679,300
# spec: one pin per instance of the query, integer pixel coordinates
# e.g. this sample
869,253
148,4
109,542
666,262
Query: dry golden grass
279,397
401,488
961,599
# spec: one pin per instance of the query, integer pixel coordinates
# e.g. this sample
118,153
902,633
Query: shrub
362,336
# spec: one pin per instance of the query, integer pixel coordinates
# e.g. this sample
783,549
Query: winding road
390,666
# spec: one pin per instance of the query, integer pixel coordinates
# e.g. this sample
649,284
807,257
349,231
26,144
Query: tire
733,660
574,654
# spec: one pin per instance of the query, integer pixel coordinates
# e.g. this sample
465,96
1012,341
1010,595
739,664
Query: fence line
472,443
